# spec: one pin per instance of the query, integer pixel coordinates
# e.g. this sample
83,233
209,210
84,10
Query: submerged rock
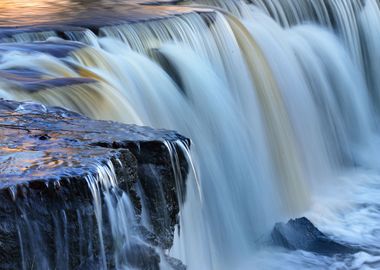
47,215
301,234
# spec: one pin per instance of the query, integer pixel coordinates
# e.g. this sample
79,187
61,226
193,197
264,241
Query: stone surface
46,205
175,263
301,234
40,143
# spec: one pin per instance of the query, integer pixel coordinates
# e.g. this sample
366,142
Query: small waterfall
337,15
369,19
120,212
279,128
34,36
37,250
105,232
278,98
354,21
85,36
97,99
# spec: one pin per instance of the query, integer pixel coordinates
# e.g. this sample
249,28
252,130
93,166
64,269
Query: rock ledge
45,156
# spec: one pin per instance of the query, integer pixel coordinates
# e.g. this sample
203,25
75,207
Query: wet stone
56,48
301,234
47,208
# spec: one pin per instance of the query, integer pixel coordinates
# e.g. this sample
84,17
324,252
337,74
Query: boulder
47,213
301,234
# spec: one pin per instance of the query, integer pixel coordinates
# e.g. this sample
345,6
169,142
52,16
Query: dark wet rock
169,67
142,256
301,234
25,84
74,142
175,264
90,263
46,207
57,49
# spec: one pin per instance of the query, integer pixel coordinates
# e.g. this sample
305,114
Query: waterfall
278,98
120,214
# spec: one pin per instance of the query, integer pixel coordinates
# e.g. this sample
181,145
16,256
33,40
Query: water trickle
120,214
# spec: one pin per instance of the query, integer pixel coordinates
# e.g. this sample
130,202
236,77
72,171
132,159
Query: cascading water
279,98
121,216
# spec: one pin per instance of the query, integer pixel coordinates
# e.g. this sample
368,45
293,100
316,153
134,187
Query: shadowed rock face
47,210
301,234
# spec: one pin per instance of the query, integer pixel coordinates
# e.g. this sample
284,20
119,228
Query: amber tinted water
26,12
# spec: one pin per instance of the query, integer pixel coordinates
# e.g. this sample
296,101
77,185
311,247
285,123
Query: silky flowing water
280,100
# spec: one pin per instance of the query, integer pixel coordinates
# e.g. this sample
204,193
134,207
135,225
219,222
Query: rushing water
280,99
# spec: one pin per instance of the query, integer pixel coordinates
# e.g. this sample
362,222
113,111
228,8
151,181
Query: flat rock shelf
47,216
